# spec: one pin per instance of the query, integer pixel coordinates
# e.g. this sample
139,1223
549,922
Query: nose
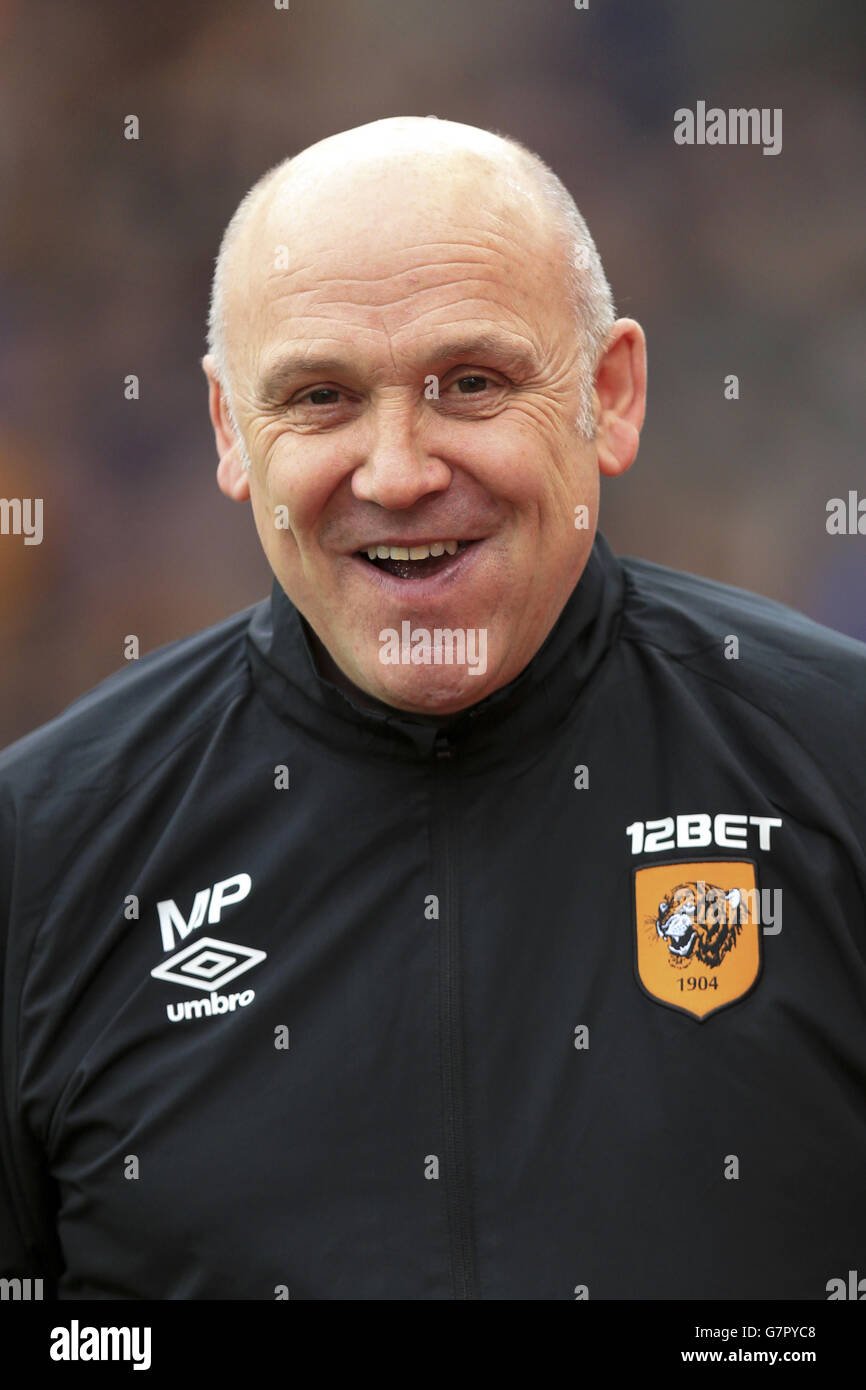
399,468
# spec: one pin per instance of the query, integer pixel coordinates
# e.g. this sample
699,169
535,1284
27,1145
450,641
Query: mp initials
207,900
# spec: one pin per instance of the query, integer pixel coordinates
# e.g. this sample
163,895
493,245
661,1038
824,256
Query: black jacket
313,1000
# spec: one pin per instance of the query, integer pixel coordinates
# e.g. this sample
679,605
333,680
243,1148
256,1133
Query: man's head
412,343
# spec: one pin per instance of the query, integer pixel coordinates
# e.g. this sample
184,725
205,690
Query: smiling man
481,916
413,415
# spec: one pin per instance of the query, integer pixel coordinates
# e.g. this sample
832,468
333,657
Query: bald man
482,915
462,331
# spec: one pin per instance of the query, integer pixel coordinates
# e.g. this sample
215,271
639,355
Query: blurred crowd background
733,261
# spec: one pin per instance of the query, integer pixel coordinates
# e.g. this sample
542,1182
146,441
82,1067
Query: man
483,915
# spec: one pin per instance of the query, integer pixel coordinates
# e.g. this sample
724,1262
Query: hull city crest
697,933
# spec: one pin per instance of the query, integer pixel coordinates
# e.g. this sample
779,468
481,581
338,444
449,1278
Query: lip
428,589
408,544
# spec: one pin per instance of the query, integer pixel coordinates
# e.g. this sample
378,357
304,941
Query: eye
487,389
315,397
469,385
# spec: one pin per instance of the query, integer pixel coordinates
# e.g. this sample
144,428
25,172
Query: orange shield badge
697,933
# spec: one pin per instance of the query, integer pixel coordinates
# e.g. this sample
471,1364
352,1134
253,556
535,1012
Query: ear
620,397
232,478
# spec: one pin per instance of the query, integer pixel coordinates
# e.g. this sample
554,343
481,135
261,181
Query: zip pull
442,745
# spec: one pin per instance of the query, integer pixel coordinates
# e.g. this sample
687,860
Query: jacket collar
284,670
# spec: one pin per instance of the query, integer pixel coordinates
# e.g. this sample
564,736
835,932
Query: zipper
457,1192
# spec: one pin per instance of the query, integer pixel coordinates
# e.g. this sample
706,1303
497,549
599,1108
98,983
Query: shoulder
799,672
135,718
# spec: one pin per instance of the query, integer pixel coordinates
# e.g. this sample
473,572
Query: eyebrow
509,352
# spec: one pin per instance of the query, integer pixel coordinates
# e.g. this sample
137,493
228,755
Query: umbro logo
208,962
214,964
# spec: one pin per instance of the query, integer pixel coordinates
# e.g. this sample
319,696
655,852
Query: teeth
414,552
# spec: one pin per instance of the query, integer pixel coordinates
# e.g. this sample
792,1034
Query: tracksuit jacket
562,998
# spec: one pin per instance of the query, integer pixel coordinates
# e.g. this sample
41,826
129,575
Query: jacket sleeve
28,1243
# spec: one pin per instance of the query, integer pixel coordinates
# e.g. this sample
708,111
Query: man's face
405,371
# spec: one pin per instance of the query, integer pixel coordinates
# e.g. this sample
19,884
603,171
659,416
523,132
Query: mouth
416,563
682,948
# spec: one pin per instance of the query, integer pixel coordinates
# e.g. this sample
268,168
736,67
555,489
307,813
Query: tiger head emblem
700,921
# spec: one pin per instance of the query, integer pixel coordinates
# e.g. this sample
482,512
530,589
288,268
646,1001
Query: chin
432,690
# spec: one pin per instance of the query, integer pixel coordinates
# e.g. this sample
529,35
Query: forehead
395,253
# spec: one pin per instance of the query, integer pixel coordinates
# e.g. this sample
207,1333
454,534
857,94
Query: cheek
301,475
537,464
265,517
